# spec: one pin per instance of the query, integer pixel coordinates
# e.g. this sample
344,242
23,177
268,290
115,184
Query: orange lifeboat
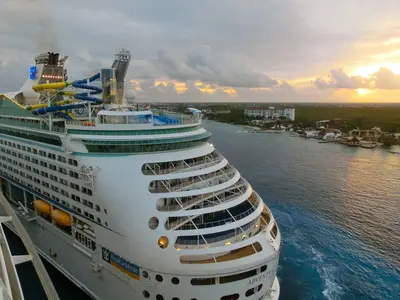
86,123
61,217
42,206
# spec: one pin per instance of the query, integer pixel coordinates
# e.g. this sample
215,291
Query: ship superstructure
130,203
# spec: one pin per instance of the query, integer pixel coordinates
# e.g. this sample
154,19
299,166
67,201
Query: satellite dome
130,96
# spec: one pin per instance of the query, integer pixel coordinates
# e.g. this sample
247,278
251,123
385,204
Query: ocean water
338,209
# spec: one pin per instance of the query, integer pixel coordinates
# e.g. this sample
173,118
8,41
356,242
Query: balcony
185,165
193,182
222,256
220,238
215,219
203,200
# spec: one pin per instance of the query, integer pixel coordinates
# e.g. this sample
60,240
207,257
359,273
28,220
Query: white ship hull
76,266
131,203
100,281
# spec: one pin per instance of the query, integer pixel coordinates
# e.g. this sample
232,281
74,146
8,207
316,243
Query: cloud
338,79
220,50
385,79
224,69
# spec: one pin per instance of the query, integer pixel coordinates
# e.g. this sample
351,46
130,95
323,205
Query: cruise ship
130,202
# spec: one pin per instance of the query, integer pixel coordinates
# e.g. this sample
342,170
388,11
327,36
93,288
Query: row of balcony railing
204,200
185,184
183,165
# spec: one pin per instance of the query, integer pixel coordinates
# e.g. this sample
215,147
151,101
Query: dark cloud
224,69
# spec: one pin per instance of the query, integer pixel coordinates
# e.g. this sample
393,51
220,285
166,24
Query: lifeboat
42,206
61,217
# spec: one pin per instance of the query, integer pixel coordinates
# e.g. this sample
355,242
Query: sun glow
362,92
367,71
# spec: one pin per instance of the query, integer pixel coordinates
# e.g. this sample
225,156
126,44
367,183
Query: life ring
88,124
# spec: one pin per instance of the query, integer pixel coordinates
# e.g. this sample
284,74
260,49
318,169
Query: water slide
40,109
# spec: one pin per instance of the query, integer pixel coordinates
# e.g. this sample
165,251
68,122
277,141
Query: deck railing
237,191
197,225
220,175
234,236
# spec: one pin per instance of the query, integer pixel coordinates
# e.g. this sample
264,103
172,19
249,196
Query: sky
215,50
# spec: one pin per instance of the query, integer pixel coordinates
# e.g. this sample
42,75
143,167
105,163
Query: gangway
10,286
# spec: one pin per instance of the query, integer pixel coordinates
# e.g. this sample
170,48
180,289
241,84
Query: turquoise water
338,209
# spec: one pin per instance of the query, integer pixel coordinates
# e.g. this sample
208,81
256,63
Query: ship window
153,223
264,268
253,290
72,162
203,281
146,294
230,297
175,280
274,231
159,278
148,146
237,277
159,297
33,137
62,159
145,274
175,298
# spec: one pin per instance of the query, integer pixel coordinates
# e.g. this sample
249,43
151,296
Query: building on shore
270,113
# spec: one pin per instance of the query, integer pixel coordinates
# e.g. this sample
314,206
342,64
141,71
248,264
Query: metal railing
233,236
195,179
191,226
31,125
30,247
182,165
206,199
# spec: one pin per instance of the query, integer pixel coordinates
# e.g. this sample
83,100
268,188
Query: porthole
159,278
175,298
175,280
145,274
163,242
146,294
153,223
263,268
159,297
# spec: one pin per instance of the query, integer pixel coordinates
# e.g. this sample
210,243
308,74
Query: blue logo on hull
32,72
123,265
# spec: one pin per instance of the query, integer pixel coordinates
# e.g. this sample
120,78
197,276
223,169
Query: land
342,116
347,116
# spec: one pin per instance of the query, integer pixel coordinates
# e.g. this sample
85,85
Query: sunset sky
219,50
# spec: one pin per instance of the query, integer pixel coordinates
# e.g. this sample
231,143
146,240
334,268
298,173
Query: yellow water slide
51,86
36,106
